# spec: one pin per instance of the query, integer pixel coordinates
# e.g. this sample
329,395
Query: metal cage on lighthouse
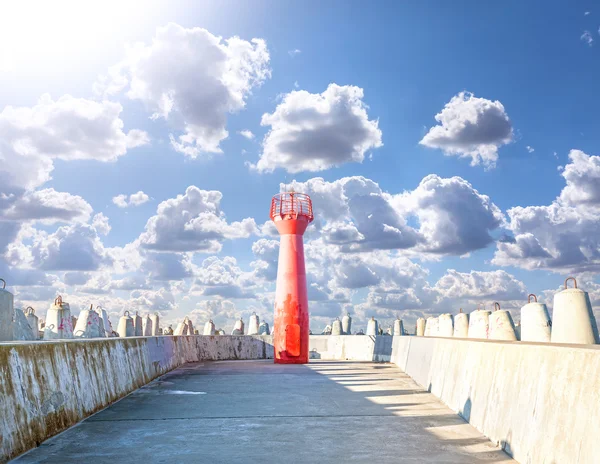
291,205
291,213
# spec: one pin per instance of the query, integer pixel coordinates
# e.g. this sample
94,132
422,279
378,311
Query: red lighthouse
291,212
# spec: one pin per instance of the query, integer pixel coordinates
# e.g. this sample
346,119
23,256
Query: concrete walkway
255,411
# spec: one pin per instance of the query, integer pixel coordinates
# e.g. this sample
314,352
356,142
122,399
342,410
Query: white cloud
71,248
222,277
471,127
354,213
139,198
69,128
565,235
120,201
294,52
193,222
135,199
530,149
101,224
46,205
167,266
477,285
587,38
314,132
246,134
454,218
207,79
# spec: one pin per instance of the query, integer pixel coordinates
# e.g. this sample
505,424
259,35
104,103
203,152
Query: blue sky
521,75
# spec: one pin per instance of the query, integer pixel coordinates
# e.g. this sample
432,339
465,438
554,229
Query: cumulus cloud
246,134
369,219
354,213
69,128
477,285
101,224
314,132
294,52
565,235
267,254
471,127
207,79
454,217
135,199
193,222
71,248
46,205
167,266
222,277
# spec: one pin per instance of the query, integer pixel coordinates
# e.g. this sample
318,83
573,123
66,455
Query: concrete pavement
256,411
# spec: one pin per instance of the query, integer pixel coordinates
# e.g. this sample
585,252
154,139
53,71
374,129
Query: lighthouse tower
291,212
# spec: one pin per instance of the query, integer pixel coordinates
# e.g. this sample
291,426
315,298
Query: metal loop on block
58,301
3,283
496,306
529,298
29,310
567,280
126,313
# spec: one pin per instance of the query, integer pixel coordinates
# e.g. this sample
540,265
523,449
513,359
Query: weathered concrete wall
351,347
541,402
46,387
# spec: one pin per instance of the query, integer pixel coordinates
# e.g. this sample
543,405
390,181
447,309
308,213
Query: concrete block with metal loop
420,328
372,327
20,327
190,326
137,325
536,325
59,323
573,318
209,328
432,327
125,328
336,327
253,324
33,321
347,324
6,312
182,328
108,328
146,326
479,324
461,325
445,325
238,328
398,327
502,326
263,329
155,319
89,324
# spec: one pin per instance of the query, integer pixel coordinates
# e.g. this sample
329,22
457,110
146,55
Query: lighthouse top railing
291,205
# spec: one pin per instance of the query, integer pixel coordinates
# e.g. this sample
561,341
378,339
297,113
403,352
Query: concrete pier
256,411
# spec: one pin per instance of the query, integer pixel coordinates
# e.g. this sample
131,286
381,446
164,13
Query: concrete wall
541,402
46,387
351,347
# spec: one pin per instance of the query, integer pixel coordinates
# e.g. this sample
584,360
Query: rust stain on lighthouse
291,212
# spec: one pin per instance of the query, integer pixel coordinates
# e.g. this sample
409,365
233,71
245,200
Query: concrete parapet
46,387
538,401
